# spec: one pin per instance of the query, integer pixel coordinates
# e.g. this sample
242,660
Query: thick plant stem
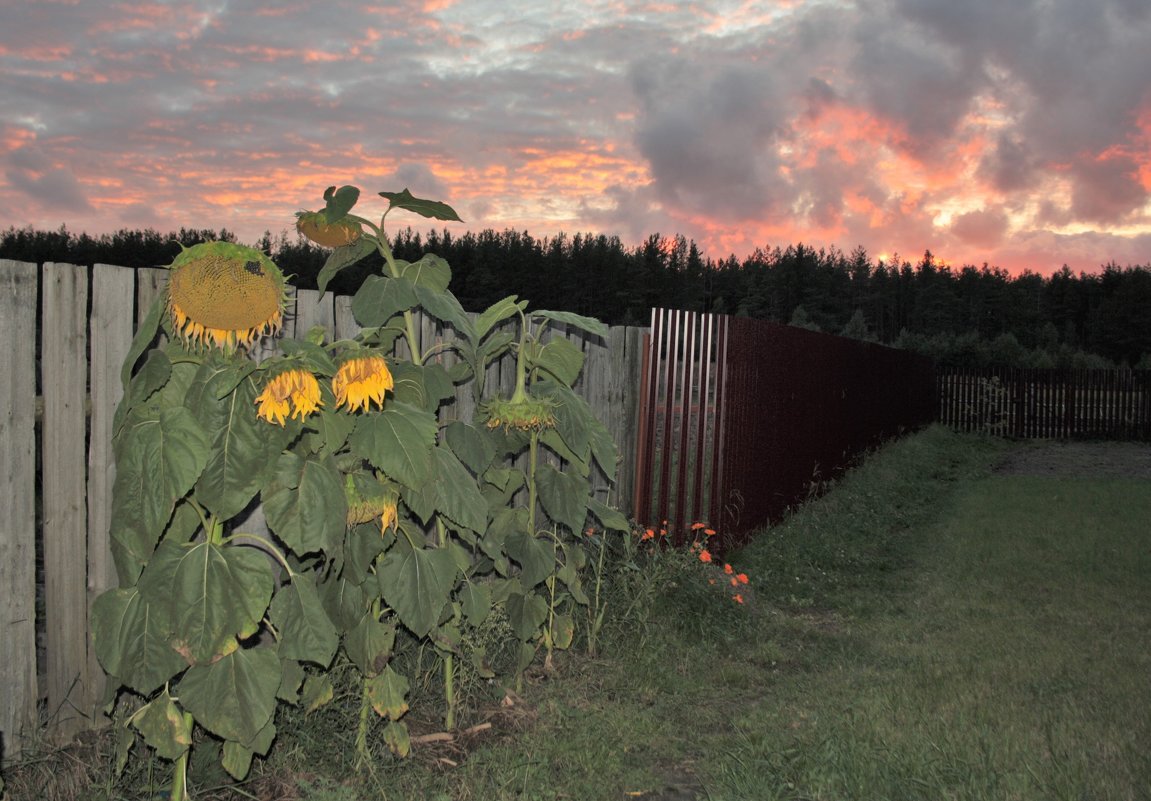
409,318
180,769
450,691
363,756
442,541
533,459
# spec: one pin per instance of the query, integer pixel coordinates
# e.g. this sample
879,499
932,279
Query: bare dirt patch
1080,460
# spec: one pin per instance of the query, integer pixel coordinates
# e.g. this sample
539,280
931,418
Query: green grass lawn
927,630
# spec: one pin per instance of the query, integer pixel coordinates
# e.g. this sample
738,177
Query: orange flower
709,532
737,598
734,581
727,568
698,526
704,555
647,535
742,578
361,380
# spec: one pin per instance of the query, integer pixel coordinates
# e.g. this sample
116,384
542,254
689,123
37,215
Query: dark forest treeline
968,316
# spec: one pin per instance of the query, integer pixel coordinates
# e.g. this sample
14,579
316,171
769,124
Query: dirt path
1081,459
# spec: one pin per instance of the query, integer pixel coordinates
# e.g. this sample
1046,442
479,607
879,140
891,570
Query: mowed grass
1012,661
929,629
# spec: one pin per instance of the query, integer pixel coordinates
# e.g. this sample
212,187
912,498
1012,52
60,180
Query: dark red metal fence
740,418
1047,403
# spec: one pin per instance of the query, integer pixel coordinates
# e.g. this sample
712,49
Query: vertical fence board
18,690
314,309
64,372
111,336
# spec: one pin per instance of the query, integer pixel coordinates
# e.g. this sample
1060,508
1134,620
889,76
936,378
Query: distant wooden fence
1047,403
65,332
740,419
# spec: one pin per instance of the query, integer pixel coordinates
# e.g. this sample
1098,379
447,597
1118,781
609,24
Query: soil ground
1081,460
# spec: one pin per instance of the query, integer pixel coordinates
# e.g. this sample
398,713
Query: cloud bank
1017,134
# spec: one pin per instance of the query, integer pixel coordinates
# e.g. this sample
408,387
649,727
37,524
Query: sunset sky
1013,132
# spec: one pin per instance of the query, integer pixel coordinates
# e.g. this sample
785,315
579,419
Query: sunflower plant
390,526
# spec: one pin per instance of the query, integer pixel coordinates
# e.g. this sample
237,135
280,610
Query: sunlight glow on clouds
1017,134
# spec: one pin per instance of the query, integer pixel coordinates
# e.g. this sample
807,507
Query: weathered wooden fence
1047,403
66,331
739,418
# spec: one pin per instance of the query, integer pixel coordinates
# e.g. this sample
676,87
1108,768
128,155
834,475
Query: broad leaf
397,739
444,306
341,257
388,693
422,386
380,298
318,690
417,583
244,449
470,445
339,202
526,613
560,357
237,757
143,338
233,698
343,601
398,441
497,313
369,645
564,496
212,595
130,637
162,455
562,631
306,506
475,602
306,632
604,449
610,518
457,494
164,728
535,557
430,271
589,324
432,209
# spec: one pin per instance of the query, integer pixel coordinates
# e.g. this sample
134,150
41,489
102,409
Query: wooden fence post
111,330
64,371
17,512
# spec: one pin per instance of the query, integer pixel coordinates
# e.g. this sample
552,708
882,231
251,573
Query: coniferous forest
969,316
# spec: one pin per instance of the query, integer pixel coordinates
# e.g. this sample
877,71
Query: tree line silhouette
968,316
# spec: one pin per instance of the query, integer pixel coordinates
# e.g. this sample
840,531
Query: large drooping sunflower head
314,225
224,296
522,412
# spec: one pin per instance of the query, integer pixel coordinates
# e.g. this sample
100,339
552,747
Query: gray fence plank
17,512
63,370
111,332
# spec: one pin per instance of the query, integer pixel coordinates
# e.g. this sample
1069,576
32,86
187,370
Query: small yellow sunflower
224,295
361,380
295,388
